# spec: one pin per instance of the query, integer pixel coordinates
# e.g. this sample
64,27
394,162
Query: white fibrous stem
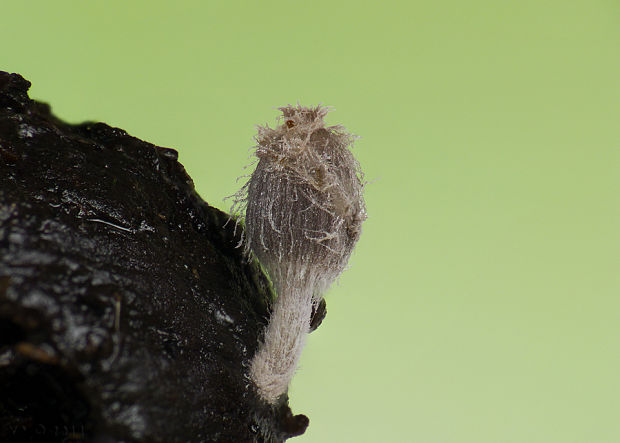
275,363
303,214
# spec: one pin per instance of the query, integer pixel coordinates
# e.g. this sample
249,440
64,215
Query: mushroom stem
275,362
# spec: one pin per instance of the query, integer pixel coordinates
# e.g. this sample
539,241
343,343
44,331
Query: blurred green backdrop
482,304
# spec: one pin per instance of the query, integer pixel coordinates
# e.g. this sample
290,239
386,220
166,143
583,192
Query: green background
482,303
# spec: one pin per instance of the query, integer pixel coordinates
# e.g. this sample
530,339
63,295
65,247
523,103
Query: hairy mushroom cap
304,200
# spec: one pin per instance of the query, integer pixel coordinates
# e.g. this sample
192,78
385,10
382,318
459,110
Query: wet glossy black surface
126,312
